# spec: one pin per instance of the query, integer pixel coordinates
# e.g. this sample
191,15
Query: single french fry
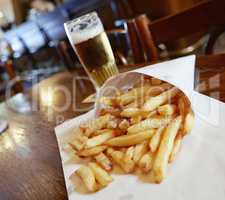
117,156
155,81
156,90
155,140
104,161
113,123
76,145
140,150
133,104
102,177
157,101
124,124
90,99
92,151
100,139
150,123
152,114
112,111
165,148
128,161
108,101
132,95
129,140
183,105
133,112
146,162
99,132
88,178
176,148
135,120
168,109
82,138
188,123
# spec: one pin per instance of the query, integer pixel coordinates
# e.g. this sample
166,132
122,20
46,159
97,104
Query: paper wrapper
199,169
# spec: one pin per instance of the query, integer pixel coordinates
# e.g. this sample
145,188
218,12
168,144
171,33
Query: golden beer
91,44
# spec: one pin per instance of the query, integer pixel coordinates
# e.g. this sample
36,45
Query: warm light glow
47,97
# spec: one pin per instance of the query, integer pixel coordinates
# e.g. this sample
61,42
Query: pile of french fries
138,130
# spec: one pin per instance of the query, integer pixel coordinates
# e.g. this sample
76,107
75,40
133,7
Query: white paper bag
199,170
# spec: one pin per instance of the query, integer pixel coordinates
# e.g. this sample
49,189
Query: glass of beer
90,42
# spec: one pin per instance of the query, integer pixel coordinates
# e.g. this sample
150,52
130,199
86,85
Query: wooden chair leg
146,37
135,43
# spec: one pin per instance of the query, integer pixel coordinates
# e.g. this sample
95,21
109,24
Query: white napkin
199,170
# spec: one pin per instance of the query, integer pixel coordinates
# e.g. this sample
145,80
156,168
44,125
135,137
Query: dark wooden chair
122,9
145,36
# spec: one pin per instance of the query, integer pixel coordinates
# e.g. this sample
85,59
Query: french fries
128,140
140,130
165,148
100,139
88,178
102,177
156,101
128,162
149,124
133,112
188,123
104,161
176,148
97,124
168,109
155,140
140,150
92,151
146,162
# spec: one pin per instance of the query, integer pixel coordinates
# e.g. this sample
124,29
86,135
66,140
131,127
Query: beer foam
83,28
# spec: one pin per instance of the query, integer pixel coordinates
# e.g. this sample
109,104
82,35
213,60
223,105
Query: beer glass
90,42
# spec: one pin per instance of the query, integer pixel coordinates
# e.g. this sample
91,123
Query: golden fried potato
97,124
102,177
155,140
188,123
168,109
92,151
155,81
128,162
88,178
146,162
176,148
129,140
140,150
150,123
104,161
165,148
100,139
161,99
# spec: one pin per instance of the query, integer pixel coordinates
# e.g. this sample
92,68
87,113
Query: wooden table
30,165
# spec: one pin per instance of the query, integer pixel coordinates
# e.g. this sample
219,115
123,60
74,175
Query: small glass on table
90,42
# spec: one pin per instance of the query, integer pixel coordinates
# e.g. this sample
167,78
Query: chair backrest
52,24
122,9
15,43
205,15
31,36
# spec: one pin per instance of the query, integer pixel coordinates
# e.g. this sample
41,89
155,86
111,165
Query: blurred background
33,41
